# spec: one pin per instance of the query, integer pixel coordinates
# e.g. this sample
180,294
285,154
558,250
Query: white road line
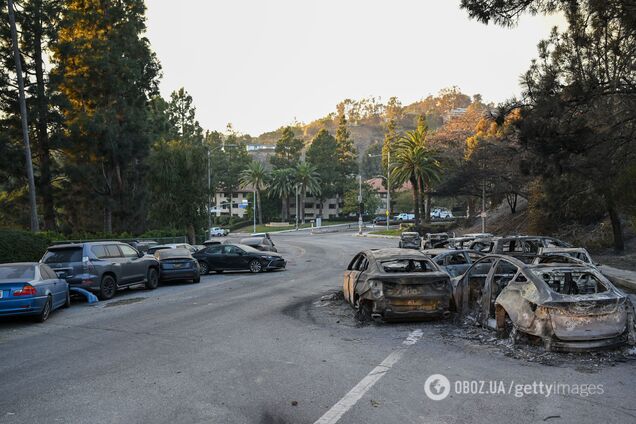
336,412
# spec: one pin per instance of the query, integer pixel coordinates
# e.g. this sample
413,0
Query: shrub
22,246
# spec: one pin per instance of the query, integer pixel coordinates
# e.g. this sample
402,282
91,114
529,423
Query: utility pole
209,197
254,210
35,225
483,206
388,188
360,204
296,207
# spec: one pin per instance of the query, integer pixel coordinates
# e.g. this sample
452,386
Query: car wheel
196,279
256,266
363,311
67,302
203,268
153,279
46,311
107,288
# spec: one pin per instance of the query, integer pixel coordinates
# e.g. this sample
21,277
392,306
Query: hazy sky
260,64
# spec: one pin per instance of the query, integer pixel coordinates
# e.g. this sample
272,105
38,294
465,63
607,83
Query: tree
416,162
308,180
370,199
321,154
345,151
257,176
182,116
371,164
282,186
229,159
106,73
288,150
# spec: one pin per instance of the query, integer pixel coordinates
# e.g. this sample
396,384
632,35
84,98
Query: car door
231,257
116,260
133,265
49,282
351,270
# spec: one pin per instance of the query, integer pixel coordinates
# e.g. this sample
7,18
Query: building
331,207
240,199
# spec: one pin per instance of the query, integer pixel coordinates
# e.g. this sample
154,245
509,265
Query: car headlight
376,288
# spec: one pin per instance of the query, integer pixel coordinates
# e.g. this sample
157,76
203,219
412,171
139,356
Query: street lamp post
209,197
388,184
297,207
360,204
254,210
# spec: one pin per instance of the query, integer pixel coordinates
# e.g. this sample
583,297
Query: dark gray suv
102,267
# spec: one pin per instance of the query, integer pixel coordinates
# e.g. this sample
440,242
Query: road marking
336,412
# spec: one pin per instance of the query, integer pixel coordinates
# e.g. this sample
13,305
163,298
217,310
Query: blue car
31,289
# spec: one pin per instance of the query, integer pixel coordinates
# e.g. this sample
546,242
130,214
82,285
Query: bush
22,246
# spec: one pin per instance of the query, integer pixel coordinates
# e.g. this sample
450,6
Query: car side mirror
140,254
61,275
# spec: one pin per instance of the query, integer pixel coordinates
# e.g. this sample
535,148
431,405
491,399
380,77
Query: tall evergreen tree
321,154
288,150
106,74
345,151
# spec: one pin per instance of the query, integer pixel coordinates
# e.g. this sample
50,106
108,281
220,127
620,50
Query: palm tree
257,176
309,181
282,185
417,163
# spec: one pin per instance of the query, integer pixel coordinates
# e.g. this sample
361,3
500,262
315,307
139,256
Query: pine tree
106,74
288,150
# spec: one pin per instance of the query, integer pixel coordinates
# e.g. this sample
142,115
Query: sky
262,64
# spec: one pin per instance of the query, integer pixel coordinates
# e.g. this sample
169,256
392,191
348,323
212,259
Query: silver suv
102,267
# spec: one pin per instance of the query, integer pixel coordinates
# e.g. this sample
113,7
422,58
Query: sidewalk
620,277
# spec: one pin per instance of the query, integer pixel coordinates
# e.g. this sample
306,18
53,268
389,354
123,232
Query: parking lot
279,347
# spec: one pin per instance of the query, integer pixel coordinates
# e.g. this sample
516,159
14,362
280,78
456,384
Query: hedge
22,246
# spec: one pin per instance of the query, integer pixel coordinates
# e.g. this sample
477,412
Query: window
214,250
332,206
481,246
128,251
474,256
407,265
99,251
113,251
47,273
571,282
16,271
363,264
231,250
457,259
64,255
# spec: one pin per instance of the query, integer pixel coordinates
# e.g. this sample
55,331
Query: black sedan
177,264
235,257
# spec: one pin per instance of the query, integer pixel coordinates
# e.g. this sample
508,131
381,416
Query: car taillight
26,290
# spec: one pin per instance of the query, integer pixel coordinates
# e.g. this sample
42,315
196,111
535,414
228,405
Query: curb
621,278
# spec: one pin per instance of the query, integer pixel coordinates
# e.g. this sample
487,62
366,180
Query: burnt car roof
395,253
441,251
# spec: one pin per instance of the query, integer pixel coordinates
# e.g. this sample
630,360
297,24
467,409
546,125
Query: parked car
410,240
405,217
102,267
142,245
31,289
263,243
440,213
525,248
455,262
232,257
576,252
177,264
397,284
152,250
218,232
433,240
210,242
570,307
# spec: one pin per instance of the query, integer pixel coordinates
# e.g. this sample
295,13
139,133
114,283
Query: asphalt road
264,348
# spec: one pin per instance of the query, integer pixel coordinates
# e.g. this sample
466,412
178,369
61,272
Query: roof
395,252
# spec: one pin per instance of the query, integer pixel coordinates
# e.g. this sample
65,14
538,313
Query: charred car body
433,240
454,262
410,240
524,248
568,307
396,284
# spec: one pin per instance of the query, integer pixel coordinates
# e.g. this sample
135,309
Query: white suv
218,232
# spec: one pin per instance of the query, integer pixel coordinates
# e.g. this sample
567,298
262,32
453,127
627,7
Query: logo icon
437,387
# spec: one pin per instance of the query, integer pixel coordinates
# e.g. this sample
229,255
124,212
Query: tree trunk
44,186
35,225
301,205
617,226
511,198
416,201
260,211
191,234
108,218
283,209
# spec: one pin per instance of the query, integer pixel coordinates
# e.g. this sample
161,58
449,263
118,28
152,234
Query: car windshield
63,255
172,253
16,271
571,281
407,265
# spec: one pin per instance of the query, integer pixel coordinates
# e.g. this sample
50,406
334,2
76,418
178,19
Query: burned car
410,240
567,307
575,252
395,284
524,248
263,243
454,262
433,240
